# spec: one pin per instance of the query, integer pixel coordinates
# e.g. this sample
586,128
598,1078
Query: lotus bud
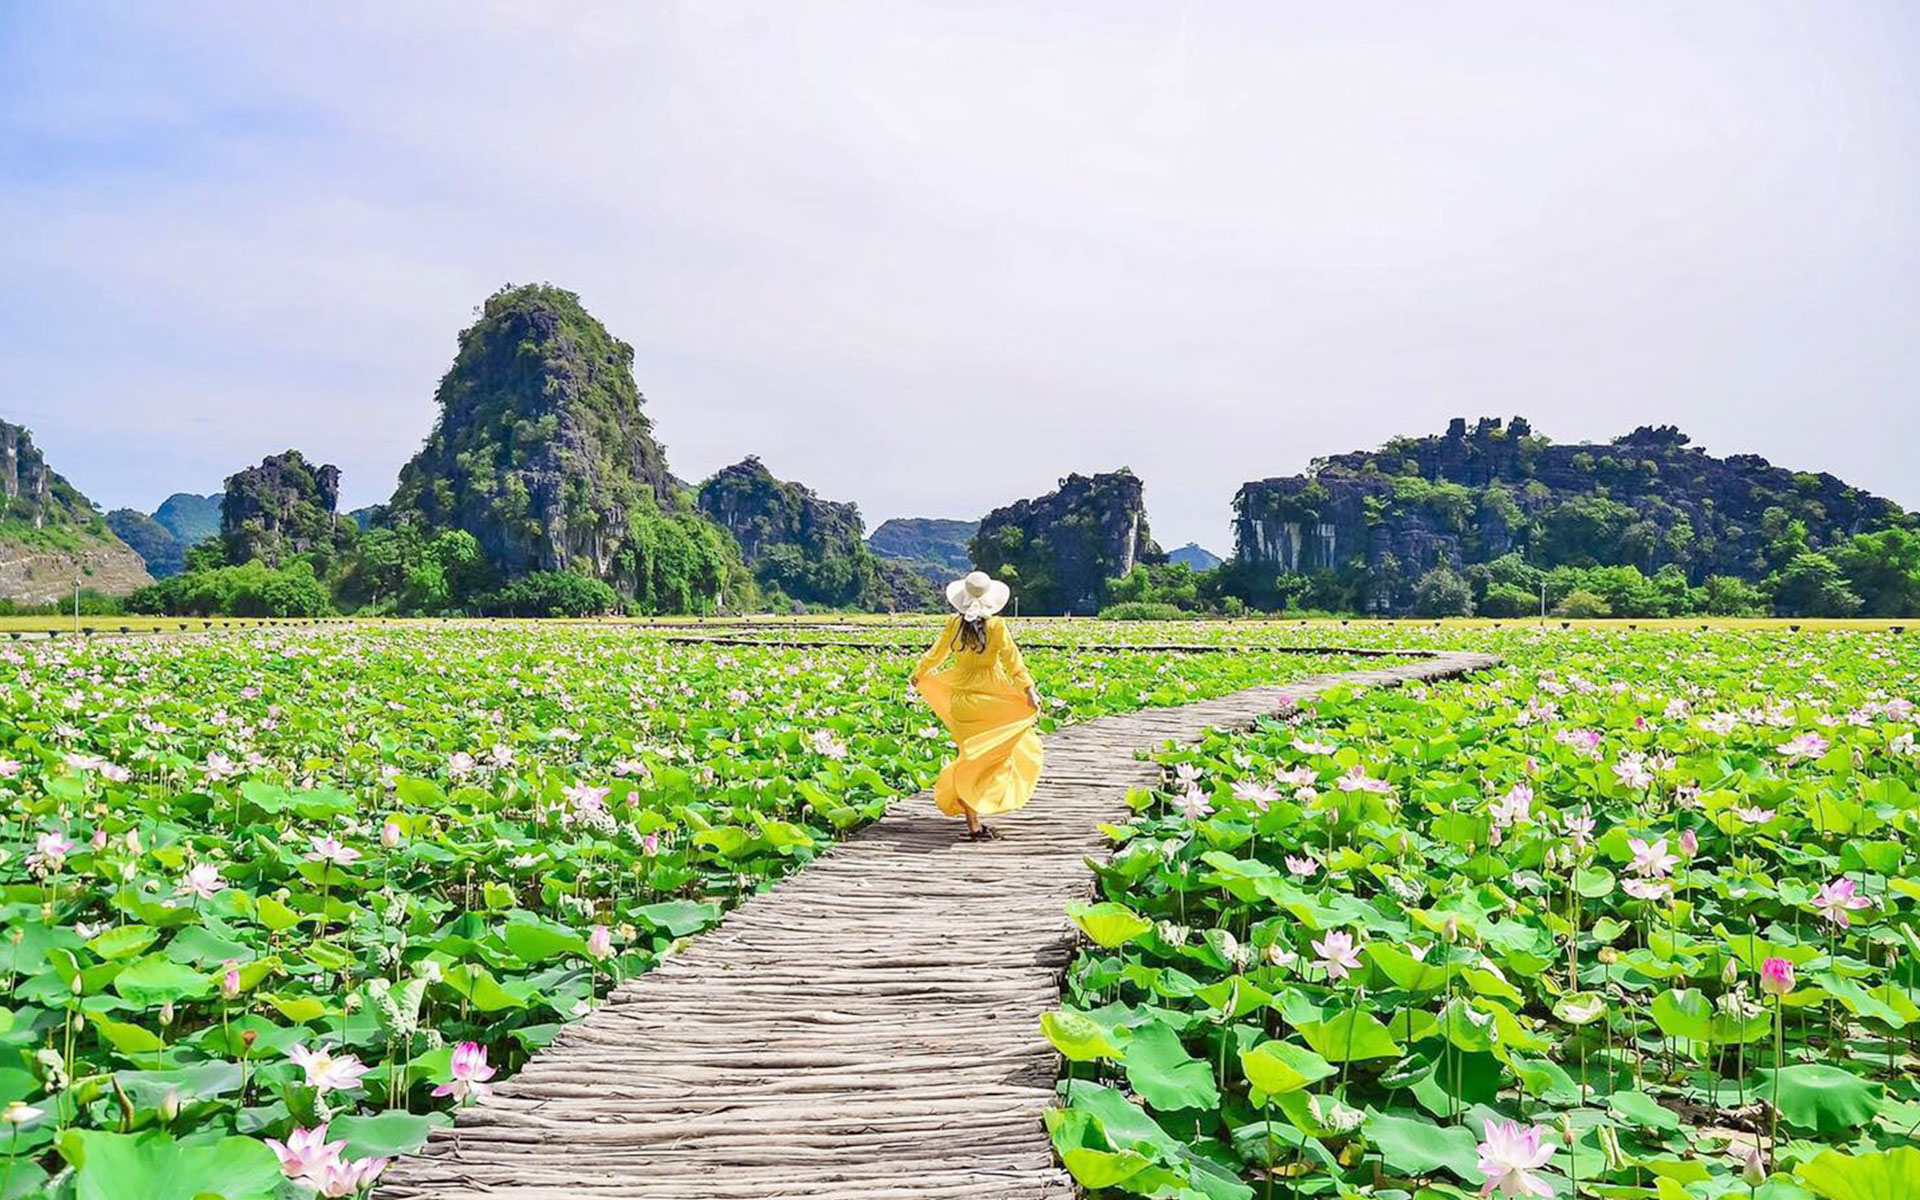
248,1038
230,981
1753,1171
100,839
79,986
133,841
1729,972
166,1011
1776,977
600,942
390,835
170,1105
1689,844
1450,930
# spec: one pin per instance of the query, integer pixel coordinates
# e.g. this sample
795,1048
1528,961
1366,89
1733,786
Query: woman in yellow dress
987,702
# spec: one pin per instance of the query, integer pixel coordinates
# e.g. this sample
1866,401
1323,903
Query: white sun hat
978,595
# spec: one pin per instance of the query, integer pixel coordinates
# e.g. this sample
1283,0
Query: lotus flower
600,942
1807,745
470,1074
1302,866
202,881
1836,898
306,1154
1651,860
1337,956
1581,828
1514,807
1193,805
51,850
1508,1158
1261,795
329,849
1776,977
327,1072
230,980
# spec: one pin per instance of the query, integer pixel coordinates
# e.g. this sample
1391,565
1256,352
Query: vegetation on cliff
284,508
53,536
1691,532
191,519
543,454
802,548
1060,551
152,541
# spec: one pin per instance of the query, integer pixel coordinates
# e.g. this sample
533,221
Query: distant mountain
1058,551
802,547
544,453
1195,556
189,518
51,536
283,507
365,517
152,541
926,540
1372,522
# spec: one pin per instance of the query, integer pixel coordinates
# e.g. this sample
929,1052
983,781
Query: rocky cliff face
52,536
543,453
1059,550
801,546
1473,494
283,507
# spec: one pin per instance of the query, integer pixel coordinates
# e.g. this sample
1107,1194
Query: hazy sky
931,257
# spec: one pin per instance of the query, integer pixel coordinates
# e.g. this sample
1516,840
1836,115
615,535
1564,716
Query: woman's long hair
973,635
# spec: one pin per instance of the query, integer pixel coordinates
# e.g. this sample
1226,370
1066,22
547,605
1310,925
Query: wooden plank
867,1029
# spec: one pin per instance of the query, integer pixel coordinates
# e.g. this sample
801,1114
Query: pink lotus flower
1582,741
230,980
1514,807
330,849
1261,795
327,1072
306,1153
1776,977
1836,898
1753,814
600,942
1581,829
51,849
1193,805
342,1178
1807,745
1509,1156
1337,956
1632,772
202,881
459,765
1646,889
650,844
1307,747
1302,866
1357,780
1689,843
1651,860
586,798
470,1074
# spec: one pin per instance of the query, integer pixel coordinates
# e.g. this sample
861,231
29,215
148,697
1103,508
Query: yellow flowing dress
982,701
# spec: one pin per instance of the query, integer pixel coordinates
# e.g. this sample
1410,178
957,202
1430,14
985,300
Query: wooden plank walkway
868,1028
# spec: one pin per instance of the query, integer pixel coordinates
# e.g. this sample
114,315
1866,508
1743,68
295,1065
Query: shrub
1441,592
1583,603
1141,610
552,594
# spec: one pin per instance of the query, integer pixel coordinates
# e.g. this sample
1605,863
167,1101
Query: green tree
1812,585
1883,569
1441,592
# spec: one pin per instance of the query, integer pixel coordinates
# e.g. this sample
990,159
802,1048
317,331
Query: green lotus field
260,883
1632,916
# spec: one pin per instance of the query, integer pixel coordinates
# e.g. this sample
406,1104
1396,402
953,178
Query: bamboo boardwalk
867,1028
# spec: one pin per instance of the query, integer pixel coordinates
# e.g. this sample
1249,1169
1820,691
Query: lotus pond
262,883
1633,915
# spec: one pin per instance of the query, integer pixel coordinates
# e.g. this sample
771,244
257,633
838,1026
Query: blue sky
930,257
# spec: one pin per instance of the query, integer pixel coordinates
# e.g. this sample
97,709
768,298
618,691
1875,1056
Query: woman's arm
942,646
